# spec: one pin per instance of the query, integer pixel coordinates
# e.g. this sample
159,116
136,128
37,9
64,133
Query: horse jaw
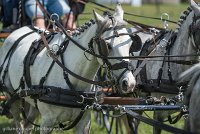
195,7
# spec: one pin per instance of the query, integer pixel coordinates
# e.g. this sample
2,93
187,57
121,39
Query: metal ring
152,30
53,19
55,47
164,14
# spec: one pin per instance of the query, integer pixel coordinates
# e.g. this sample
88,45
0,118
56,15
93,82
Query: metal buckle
53,18
184,109
83,99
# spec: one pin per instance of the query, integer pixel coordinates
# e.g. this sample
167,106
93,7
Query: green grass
6,124
174,12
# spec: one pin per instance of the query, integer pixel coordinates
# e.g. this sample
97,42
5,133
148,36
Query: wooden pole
121,101
4,35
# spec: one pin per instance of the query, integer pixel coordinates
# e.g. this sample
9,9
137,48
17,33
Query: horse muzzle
127,84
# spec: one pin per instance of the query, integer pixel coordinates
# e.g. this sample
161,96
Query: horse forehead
115,33
121,47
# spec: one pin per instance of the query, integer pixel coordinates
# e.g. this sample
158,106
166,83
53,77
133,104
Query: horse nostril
125,85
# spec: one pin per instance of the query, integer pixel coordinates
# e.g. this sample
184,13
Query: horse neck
80,62
183,45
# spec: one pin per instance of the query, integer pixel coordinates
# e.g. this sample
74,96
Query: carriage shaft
122,101
152,107
141,107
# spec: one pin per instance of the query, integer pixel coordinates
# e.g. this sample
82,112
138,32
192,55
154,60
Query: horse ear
98,18
195,7
118,15
119,12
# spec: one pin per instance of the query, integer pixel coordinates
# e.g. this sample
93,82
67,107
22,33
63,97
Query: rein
100,83
101,56
156,123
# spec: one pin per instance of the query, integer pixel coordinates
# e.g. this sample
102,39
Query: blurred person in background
77,7
9,15
60,7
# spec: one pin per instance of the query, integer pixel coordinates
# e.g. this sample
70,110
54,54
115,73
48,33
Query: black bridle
103,42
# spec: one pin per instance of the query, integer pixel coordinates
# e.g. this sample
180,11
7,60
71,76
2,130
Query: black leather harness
159,84
50,94
62,97
29,59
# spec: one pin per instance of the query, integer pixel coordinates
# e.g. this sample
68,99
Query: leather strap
157,123
100,83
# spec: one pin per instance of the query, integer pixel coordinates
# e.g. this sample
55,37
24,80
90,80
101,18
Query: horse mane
82,28
78,31
183,17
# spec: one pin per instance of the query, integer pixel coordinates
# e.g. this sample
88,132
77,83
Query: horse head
113,40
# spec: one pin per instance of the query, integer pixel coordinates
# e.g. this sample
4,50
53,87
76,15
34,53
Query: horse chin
127,85
127,90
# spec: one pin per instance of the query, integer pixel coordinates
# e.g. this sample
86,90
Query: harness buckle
53,18
184,110
153,31
82,101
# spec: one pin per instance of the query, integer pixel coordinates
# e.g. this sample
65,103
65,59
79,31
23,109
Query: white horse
184,44
130,124
75,59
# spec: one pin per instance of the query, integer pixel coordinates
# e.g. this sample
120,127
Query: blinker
136,43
